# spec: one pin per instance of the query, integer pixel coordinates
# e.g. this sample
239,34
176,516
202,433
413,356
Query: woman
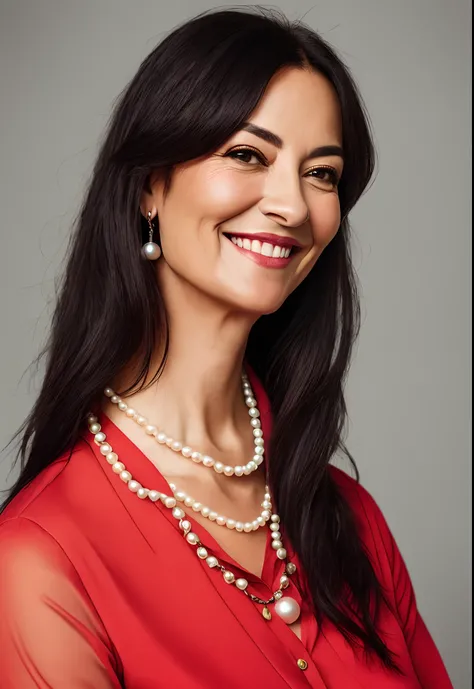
176,521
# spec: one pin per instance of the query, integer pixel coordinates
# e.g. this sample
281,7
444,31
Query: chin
258,303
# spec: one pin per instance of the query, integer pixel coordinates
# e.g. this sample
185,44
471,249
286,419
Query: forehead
301,106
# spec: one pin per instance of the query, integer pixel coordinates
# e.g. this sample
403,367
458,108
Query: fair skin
214,291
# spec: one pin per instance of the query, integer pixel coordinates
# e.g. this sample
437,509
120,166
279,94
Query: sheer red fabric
99,589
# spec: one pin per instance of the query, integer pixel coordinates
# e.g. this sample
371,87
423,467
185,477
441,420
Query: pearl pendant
288,609
151,251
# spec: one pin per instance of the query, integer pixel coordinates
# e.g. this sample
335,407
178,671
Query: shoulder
371,523
55,497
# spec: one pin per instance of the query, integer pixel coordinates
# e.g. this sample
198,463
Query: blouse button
302,664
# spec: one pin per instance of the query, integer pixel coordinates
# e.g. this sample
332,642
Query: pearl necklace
163,439
285,607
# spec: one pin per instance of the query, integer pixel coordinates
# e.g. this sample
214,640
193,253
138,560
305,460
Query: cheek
327,218
226,194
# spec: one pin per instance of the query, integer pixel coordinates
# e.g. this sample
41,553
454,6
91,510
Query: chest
249,550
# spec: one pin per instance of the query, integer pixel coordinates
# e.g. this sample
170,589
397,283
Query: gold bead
266,613
302,664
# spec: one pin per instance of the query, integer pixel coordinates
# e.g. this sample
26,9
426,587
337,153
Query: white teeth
264,248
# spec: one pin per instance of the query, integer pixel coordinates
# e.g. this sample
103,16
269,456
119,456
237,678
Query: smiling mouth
263,248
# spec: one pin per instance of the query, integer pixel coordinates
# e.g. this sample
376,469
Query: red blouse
99,589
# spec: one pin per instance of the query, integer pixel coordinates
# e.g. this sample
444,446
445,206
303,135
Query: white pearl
265,515
130,413
261,521
192,538
255,524
251,402
208,461
220,520
284,581
255,423
248,527
276,535
170,502
154,495
259,442
123,406
239,526
115,399
108,392
134,486
253,412
205,511
161,437
229,577
276,545
257,432
92,418
202,553
219,467
266,504
151,251
275,518
213,516
151,430
238,470
230,523
180,495
118,467
281,553
288,609
274,526
141,420
188,501
178,513
112,457
185,525
228,470
105,449
176,446
212,561
99,437
186,451
242,584
169,441
95,427
197,506
142,493
259,450
126,476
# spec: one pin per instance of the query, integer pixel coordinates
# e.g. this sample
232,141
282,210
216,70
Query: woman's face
231,218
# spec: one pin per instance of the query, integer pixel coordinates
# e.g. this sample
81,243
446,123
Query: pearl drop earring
151,250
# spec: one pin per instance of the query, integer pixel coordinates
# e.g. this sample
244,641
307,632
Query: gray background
409,393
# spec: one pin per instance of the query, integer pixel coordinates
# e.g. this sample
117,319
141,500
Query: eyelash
245,149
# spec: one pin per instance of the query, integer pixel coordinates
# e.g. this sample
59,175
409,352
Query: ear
151,194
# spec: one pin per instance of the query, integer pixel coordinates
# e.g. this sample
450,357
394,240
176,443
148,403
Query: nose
283,200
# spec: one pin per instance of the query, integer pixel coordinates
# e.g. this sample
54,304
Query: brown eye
244,154
327,175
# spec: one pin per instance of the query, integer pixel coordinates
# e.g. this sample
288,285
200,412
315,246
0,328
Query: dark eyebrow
275,140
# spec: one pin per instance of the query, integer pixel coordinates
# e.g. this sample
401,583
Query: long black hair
195,90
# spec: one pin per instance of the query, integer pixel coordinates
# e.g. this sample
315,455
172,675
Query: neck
198,397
